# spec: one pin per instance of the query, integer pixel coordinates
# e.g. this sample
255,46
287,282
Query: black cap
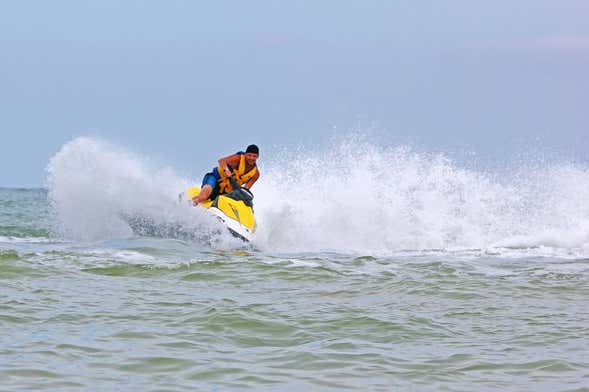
252,148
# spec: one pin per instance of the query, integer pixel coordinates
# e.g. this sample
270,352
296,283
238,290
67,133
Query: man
241,166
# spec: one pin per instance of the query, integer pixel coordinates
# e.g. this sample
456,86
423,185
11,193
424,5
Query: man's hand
227,172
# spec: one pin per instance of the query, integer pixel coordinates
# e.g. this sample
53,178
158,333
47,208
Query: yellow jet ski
235,209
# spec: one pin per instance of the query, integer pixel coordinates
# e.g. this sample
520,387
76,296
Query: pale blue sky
186,81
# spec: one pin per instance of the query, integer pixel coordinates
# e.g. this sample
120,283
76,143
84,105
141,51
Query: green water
145,314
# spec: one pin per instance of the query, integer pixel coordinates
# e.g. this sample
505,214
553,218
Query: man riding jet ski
242,166
225,192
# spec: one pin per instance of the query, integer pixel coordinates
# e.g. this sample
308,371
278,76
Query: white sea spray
355,197
94,185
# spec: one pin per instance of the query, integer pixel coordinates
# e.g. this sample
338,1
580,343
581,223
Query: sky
185,82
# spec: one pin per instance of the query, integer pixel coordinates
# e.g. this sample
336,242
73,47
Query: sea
373,269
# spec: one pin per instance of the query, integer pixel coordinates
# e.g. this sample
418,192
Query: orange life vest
239,174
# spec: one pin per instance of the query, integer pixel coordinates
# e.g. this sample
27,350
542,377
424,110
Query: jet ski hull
234,209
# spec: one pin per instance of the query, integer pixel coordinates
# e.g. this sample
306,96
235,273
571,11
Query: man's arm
252,180
232,160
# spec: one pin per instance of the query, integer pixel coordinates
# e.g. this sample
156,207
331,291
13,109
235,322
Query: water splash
356,197
362,197
94,187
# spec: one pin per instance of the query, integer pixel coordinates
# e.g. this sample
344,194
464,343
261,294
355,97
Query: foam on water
32,240
357,197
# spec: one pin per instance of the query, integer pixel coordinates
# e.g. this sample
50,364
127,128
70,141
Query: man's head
251,154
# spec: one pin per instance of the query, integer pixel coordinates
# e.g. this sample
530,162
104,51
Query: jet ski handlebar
234,183
240,193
